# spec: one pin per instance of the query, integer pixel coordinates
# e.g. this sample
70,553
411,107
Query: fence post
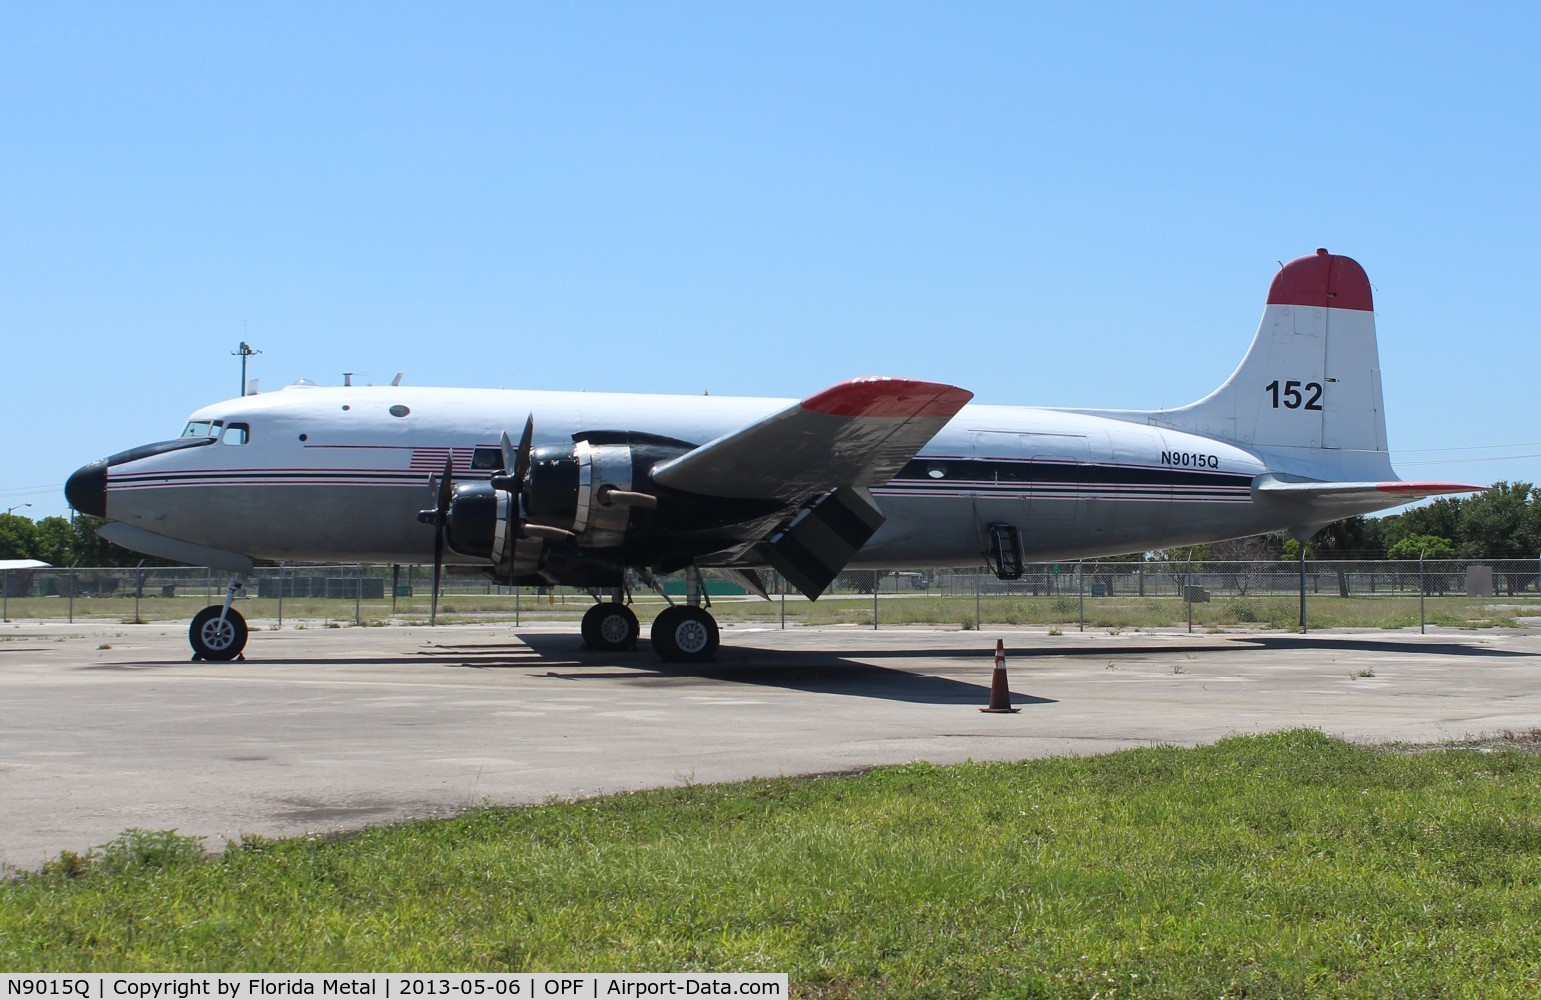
1080,586
1422,591
1188,593
280,596
7,586
358,593
1302,587
876,583
138,589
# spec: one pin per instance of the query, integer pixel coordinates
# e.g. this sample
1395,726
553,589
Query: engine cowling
588,491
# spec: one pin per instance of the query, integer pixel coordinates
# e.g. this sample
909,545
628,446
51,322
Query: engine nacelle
573,489
474,524
589,491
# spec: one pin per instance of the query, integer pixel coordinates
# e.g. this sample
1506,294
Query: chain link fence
1098,594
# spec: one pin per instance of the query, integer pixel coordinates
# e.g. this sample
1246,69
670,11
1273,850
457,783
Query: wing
816,459
857,433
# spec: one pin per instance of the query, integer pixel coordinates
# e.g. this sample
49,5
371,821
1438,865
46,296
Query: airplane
874,473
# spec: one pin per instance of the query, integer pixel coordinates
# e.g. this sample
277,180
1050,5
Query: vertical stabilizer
1309,388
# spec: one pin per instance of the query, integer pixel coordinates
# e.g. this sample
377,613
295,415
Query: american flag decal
431,460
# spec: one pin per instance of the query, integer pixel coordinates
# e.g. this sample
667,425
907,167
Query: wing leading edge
819,457
857,433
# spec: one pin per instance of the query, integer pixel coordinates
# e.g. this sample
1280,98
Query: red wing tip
884,396
1428,489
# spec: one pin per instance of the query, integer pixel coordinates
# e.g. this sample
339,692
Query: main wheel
682,634
610,627
213,639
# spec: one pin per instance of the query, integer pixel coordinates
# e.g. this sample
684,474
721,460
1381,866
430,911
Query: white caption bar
395,986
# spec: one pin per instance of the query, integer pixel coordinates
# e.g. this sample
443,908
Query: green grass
1284,865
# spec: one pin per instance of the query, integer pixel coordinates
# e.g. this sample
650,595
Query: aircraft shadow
811,671
1409,646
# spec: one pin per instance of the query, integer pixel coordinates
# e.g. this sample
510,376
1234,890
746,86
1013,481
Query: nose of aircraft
86,489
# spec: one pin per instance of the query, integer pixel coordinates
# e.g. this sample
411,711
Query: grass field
1283,865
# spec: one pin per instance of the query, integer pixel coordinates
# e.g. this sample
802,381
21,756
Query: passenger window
487,459
236,434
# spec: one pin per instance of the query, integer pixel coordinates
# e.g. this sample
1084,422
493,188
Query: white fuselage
338,474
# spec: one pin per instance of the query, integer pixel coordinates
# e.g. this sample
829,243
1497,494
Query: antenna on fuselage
245,351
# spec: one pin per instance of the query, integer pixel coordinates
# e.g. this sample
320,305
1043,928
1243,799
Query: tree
1499,523
1422,547
54,541
1442,519
1252,548
18,537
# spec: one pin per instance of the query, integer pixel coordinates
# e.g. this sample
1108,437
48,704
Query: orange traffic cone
1000,694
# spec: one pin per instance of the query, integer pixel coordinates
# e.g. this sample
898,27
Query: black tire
683,634
610,627
213,640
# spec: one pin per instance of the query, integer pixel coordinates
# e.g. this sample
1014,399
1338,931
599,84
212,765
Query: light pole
11,510
243,352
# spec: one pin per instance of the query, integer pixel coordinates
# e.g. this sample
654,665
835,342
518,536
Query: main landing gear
685,634
610,626
682,633
218,632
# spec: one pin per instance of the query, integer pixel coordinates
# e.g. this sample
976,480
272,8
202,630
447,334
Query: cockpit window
201,429
236,434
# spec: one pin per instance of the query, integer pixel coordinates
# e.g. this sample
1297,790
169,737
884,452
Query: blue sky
1077,205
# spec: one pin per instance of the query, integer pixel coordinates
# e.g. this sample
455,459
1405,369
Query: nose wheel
685,634
217,634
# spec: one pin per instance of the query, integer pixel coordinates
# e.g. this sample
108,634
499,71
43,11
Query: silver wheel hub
217,633
614,628
691,636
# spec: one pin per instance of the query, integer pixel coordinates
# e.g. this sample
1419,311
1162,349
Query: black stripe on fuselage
1014,471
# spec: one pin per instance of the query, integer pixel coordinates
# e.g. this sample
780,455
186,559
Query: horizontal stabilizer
1352,498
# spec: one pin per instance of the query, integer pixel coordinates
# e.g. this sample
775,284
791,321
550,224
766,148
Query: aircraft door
1055,467
999,478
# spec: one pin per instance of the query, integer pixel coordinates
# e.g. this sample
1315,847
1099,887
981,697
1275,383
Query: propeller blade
521,467
510,458
446,488
438,562
440,518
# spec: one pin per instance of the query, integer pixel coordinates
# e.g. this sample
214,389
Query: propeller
437,516
514,477
516,461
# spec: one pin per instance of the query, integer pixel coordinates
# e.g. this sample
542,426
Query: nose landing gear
218,632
